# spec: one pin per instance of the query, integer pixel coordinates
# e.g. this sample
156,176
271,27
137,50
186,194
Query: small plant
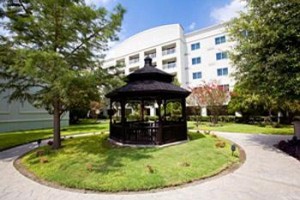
40,153
50,142
185,164
261,124
220,144
150,169
89,167
214,135
207,132
276,125
44,160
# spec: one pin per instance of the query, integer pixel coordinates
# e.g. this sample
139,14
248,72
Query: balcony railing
134,60
169,65
151,55
168,51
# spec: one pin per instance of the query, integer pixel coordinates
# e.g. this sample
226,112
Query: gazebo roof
149,82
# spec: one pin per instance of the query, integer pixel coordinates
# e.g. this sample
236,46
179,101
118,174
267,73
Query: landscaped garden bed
93,163
291,147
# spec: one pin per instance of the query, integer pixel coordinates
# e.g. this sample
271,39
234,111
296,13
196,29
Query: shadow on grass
101,155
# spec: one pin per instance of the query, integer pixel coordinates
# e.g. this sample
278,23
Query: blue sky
191,14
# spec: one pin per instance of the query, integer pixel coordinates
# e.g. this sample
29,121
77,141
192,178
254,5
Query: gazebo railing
148,133
173,132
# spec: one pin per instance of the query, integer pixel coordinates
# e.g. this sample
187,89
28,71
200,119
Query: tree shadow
109,157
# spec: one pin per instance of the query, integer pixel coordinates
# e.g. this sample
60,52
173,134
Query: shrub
276,125
40,153
220,144
150,169
133,117
89,167
44,159
282,145
50,142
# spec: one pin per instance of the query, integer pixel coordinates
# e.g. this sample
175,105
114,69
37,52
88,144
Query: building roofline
205,29
150,29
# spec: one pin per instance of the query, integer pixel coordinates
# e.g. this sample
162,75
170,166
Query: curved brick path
267,174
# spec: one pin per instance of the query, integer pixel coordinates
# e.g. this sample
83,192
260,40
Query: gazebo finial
148,61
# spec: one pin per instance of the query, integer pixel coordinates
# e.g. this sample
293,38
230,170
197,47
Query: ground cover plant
93,163
15,138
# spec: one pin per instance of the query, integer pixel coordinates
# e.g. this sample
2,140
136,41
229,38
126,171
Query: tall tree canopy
51,56
267,53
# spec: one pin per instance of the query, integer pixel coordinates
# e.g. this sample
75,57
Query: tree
251,104
210,95
267,53
51,57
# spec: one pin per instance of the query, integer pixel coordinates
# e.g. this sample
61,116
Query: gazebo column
142,110
123,119
159,138
165,109
183,114
110,114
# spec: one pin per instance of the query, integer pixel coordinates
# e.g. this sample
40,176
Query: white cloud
192,26
98,2
229,11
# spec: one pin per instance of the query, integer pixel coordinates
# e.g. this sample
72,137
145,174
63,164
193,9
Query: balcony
134,60
168,51
169,65
151,55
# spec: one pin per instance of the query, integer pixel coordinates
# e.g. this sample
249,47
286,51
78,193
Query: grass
10,139
244,128
93,163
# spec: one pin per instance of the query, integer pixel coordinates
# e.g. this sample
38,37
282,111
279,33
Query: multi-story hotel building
194,57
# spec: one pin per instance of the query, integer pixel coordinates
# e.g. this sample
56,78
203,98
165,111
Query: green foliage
267,53
92,163
253,104
52,60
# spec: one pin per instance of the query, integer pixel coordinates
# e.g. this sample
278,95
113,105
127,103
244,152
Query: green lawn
93,163
244,128
11,139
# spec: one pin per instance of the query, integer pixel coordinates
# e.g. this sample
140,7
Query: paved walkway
267,174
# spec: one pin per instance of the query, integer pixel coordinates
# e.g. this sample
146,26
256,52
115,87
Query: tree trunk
56,126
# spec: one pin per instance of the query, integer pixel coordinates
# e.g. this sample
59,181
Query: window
221,55
195,46
196,61
220,40
197,75
224,87
222,71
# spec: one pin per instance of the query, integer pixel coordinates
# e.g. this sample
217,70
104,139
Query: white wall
161,36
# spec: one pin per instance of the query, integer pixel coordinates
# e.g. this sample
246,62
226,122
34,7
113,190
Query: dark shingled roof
149,81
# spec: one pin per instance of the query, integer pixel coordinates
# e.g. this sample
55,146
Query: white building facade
194,57
201,55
